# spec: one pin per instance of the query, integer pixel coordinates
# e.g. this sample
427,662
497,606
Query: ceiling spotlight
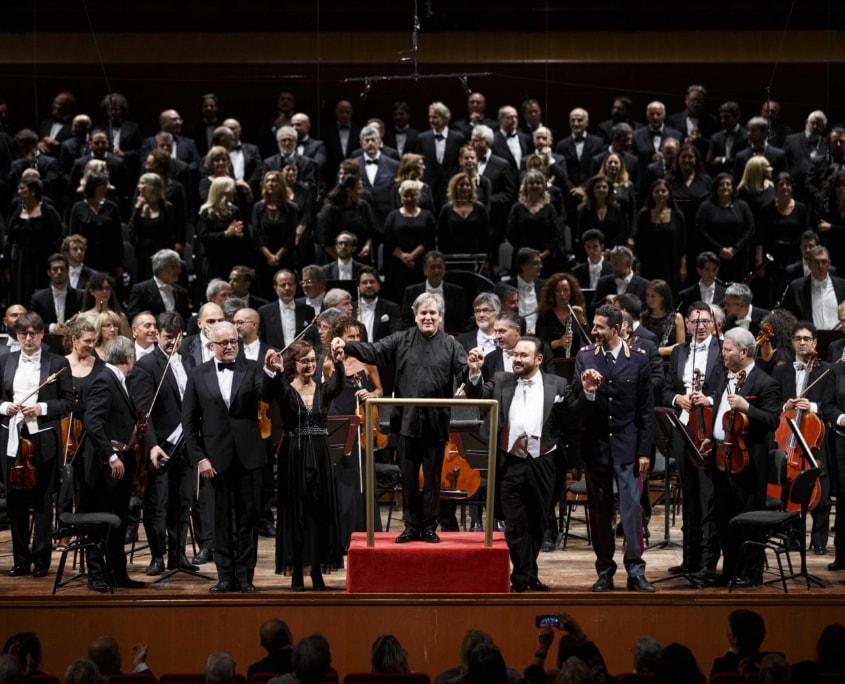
366,91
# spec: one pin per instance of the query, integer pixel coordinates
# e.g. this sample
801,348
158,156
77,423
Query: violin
139,455
457,475
379,438
732,453
23,473
700,417
813,431
767,330
72,431
264,423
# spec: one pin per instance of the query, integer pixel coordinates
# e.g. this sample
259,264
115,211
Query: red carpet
459,564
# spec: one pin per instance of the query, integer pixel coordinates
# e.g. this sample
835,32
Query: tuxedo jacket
757,316
44,306
145,296
388,318
84,274
582,273
410,139
775,155
456,311
253,167
616,426
225,434
384,150
607,286
316,150
48,169
65,132
69,151
130,136
57,395
198,132
707,123
693,294
644,333
799,298
834,352
271,322
796,270
714,371
822,391
438,175
580,170
500,147
331,270
166,415
307,167
643,144
494,361
717,149
504,187
381,189
110,414
556,409
465,127
186,151
335,154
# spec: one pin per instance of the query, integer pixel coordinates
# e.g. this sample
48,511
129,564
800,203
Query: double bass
732,453
813,431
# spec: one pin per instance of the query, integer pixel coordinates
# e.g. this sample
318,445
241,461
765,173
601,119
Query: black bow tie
402,130
577,139
512,135
372,161
654,134
237,147
343,128
438,136
221,366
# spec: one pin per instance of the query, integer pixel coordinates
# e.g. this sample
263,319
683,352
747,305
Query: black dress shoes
535,584
126,583
247,587
222,587
266,529
409,535
430,536
39,571
98,585
603,583
20,570
820,550
836,565
518,588
204,556
476,526
741,582
156,567
639,583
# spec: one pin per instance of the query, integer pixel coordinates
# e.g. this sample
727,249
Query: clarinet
667,327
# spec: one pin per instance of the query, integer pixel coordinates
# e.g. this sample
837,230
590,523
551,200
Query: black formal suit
44,305
192,346
110,414
838,447
381,189
277,662
632,165
775,155
65,132
700,536
145,296
605,128
386,150
387,318
835,351
307,168
170,489
607,286
228,436
643,333
410,139
494,361
526,481
437,175
200,132
271,323
800,296
186,151
331,270
253,167
84,274
503,182
802,155
456,311
580,169
45,457
707,124
757,316
69,151
316,150
465,127
821,391
130,140
643,142
718,149
615,432
745,491
335,153
693,294
582,273
500,147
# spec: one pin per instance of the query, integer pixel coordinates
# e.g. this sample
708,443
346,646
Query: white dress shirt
525,418
166,292
824,304
26,381
288,313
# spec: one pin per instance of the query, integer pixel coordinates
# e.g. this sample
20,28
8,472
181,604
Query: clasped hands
28,411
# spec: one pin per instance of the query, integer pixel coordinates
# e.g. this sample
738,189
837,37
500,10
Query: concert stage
182,623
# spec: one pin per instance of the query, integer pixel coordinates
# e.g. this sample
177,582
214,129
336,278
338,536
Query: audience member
387,655
276,639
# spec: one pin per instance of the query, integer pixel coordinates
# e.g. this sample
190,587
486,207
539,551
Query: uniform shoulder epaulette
586,347
638,350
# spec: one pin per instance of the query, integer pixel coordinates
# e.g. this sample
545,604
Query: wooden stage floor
182,623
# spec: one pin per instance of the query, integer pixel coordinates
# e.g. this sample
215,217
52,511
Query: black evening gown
660,247
29,243
308,529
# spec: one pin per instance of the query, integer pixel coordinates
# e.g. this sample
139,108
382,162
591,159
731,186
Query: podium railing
491,404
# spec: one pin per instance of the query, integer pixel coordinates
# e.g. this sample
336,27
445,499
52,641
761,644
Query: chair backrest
802,486
132,678
634,678
45,679
263,677
734,678
381,678
191,678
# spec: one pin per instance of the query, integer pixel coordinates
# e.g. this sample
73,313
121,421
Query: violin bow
164,374
304,330
48,381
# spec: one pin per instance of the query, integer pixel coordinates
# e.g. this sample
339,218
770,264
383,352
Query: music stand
666,424
343,431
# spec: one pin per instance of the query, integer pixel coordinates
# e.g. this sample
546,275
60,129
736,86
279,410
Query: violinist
110,419
30,438
808,386
700,359
746,393
170,478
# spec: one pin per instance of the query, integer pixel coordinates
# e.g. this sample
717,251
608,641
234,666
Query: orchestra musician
838,462
810,389
757,399
702,354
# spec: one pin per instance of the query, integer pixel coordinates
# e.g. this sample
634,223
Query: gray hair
757,123
219,668
232,305
622,251
441,110
818,114
485,132
718,316
739,291
427,298
290,130
335,296
410,185
164,258
488,298
646,654
118,349
620,128
212,334
214,287
369,130
743,339
330,315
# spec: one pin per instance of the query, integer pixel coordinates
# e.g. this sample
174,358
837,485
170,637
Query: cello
457,476
732,453
813,431
700,417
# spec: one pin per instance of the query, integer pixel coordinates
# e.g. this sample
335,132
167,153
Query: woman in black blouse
152,225
226,239
601,211
533,220
98,221
690,185
274,220
463,226
345,210
409,233
782,221
661,236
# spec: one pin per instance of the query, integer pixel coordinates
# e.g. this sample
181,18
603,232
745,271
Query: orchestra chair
383,678
634,678
41,678
86,531
264,677
133,678
734,678
193,678
576,495
783,531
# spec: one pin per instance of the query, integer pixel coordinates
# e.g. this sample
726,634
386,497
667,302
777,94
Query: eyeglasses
238,324
225,343
306,282
802,338
484,310
29,333
701,321
307,362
